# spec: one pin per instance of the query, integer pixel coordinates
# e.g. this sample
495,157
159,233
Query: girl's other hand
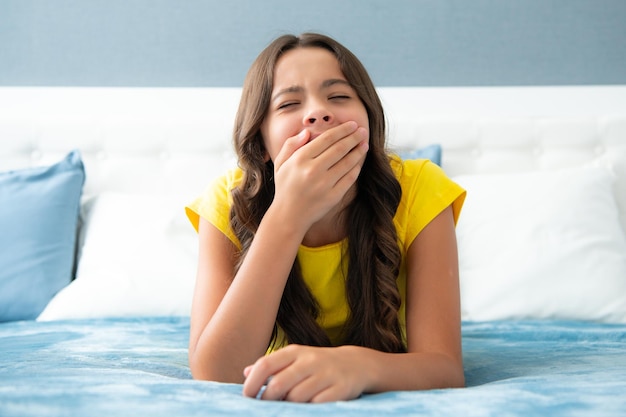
308,374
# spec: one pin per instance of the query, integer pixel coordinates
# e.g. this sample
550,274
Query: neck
324,233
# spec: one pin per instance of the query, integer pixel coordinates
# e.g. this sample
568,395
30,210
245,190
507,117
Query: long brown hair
373,254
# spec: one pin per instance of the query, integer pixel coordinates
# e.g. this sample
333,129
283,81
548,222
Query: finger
341,148
347,170
326,140
284,381
331,393
290,146
263,369
339,390
307,389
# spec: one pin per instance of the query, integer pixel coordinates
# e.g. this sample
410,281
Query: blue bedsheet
138,367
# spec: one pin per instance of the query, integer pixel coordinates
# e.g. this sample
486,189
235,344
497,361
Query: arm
232,319
434,358
233,316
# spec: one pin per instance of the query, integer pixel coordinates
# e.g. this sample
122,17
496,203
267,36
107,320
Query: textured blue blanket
138,367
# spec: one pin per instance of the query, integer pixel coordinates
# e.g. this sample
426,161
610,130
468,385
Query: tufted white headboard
174,140
488,130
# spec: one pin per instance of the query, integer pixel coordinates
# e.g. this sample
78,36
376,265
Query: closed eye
286,104
339,97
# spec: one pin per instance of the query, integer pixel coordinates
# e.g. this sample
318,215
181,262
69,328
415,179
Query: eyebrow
297,89
333,81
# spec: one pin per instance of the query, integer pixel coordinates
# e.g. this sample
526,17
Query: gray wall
212,43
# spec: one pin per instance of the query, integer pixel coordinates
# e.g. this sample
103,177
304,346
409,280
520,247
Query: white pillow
542,245
138,258
617,161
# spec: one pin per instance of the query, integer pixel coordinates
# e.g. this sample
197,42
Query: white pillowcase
617,161
138,258
542,245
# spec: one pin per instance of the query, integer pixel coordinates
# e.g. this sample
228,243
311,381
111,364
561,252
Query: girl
328,267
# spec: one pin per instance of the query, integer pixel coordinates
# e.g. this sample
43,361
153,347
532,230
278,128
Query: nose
312,120
318,114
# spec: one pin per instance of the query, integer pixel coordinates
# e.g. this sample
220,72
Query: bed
95,287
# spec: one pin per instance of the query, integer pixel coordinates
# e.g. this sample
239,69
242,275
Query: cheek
266,135
359,115
273,141
276,132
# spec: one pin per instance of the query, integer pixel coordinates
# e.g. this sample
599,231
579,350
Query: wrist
366,363
282,221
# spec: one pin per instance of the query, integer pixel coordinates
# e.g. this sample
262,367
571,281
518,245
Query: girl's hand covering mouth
318,172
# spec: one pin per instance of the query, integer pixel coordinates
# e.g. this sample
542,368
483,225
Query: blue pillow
432,152
39,209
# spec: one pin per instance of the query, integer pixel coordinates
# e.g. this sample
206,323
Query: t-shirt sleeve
214,205
427,191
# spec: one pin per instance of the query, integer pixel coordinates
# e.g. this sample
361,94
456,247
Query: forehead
306,63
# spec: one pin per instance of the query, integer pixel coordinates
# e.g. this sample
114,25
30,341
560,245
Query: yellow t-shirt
426,192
